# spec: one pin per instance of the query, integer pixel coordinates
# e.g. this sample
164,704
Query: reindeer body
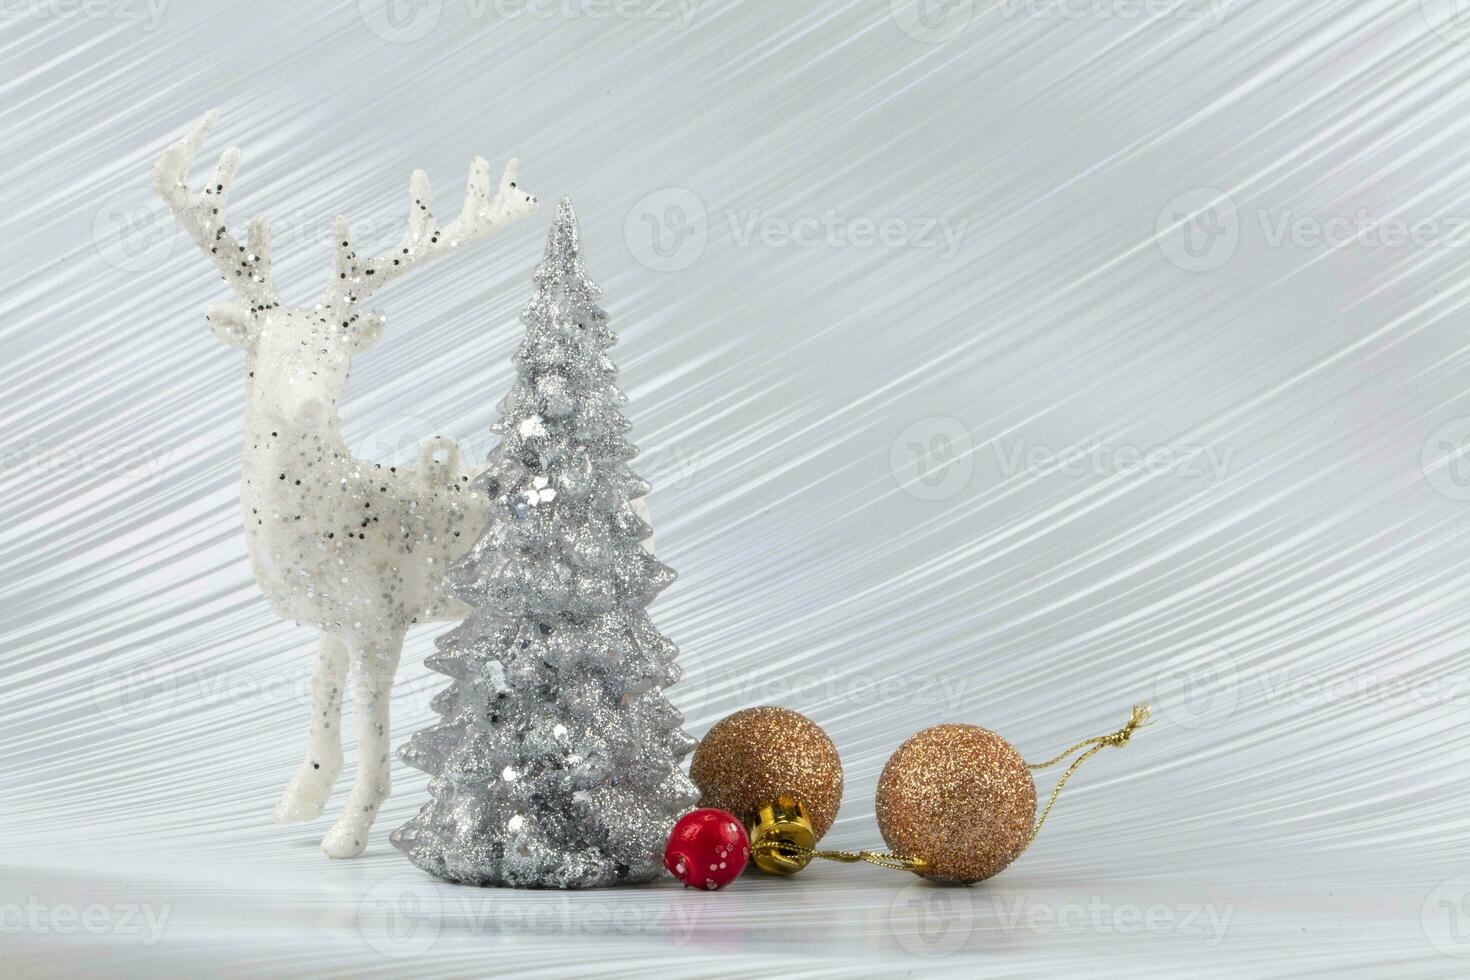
315,513
354,548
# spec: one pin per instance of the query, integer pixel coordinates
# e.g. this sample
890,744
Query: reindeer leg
377,663
313,782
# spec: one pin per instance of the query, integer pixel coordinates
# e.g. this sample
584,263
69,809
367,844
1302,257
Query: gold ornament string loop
1116,739
897,862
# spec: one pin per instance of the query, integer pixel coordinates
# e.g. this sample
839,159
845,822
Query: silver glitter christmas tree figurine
556,761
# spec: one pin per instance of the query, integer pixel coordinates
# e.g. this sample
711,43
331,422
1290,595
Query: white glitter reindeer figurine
353,548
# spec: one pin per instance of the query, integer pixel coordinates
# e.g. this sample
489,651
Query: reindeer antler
247,268
355,279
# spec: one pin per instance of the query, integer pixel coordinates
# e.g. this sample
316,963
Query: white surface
291,912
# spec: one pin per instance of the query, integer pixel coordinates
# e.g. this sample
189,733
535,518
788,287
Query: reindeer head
300,354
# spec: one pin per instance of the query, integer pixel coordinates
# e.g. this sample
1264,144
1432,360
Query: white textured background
899,472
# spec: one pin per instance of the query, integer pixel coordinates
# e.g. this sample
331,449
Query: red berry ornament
708,849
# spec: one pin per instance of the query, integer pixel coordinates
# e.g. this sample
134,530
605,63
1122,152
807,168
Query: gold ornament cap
782,821
960,798
778,773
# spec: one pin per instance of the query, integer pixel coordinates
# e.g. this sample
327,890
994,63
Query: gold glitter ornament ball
961,798
756,755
